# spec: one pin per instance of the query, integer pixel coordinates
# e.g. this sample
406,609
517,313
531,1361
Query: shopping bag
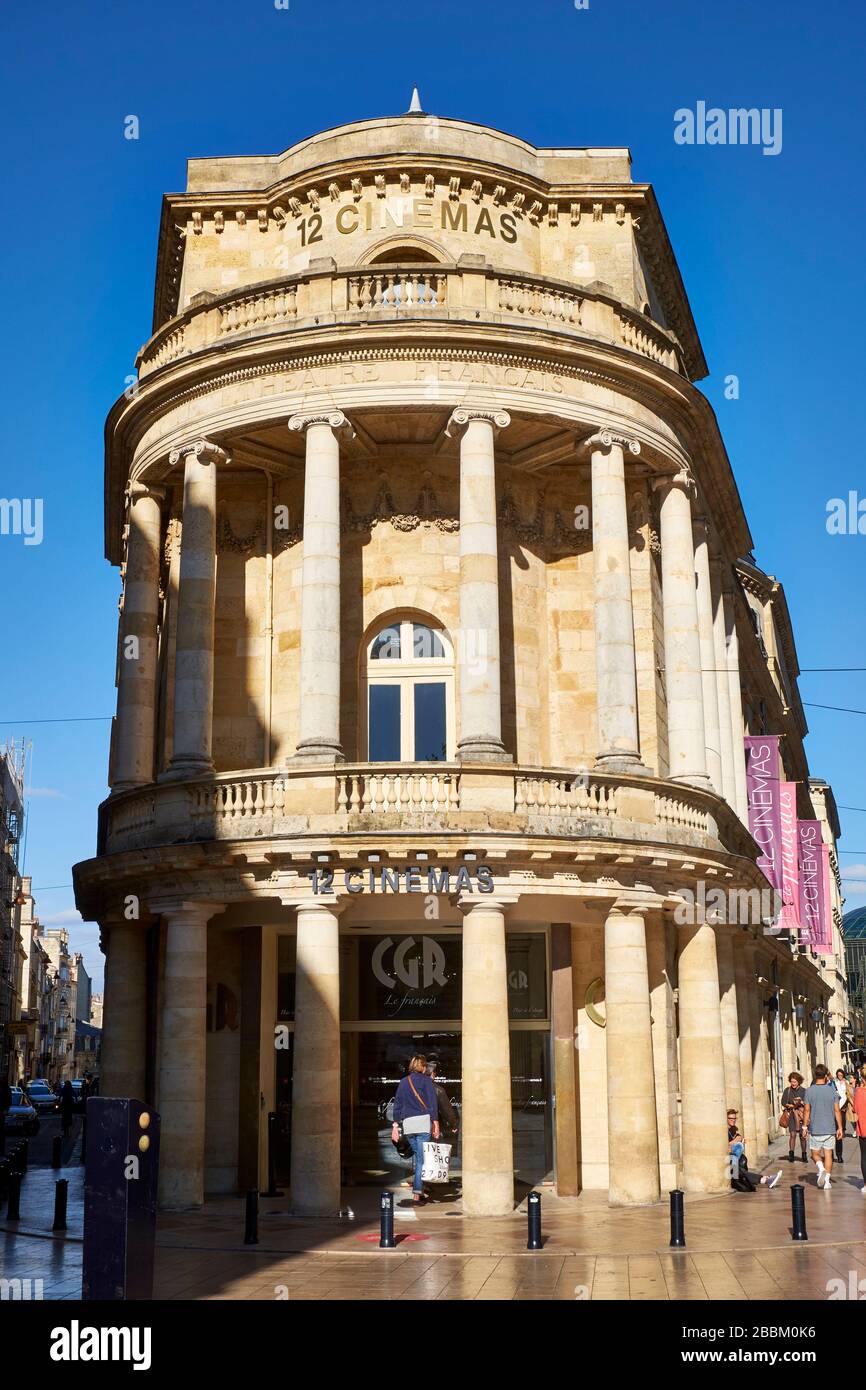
436,1160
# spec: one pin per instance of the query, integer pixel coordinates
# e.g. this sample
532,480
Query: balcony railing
301,801
330,296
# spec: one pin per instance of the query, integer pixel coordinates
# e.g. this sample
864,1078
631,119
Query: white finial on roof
415,106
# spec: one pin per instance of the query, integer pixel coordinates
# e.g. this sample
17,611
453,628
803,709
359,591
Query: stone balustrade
299,800
330,296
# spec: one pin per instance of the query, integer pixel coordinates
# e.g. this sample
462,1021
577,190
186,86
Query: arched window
410,693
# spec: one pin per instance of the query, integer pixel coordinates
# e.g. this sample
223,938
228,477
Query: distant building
96,1010
854,938
88,1046
62,1021
11,956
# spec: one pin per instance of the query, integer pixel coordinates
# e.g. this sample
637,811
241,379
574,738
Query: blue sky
769,248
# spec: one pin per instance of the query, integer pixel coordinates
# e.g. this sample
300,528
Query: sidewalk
739,1247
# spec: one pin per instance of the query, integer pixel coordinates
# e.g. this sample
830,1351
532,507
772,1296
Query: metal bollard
386,1222
533,1219
678,1222
57,1152
798,1212
13,1208
273,1190
61,1193
4,1178
251,1228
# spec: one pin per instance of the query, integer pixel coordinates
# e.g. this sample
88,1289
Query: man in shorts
822,1122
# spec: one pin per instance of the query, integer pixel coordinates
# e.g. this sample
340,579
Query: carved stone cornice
464,415
203,449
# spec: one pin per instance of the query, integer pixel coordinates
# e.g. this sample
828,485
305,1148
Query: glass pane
527,975
386,646
430,722
531,1118
384,724
426,642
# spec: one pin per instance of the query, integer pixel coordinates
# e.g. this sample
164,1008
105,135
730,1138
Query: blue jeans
417,1142
738,1149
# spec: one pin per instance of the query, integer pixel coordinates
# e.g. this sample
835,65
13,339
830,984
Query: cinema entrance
400,995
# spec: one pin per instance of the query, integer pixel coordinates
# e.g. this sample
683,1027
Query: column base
185,769
483,748
694,779
318,750
621,762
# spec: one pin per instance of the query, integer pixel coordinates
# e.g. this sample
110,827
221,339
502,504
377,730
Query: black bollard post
273,1190
251,1228
4,1178
57,1152
386,1222
533,1218
678,1223
13,1209
798,1212
61,1192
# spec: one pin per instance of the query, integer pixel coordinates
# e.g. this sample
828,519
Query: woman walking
417,1109
858,1109
793,1110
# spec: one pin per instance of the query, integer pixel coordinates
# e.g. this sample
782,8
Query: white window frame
407,672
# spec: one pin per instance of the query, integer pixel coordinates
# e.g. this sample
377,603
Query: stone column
709,680
633,1156
682,645
723,690
194,662
319,716
730,1020
135,727
488,1161
702,1069
736,703
661,951
183,1052
761,1064
124,1017
616,680
478,672
316,1065
744,977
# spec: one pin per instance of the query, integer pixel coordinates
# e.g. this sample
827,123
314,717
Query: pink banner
789,918
765,816
813,901
825,946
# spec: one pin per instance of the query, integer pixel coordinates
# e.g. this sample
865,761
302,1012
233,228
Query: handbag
436,1160
783,1120
417,1124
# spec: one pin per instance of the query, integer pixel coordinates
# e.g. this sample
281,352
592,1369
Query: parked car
42,1097
21,1117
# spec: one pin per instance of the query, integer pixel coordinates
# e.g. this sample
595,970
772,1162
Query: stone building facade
435,658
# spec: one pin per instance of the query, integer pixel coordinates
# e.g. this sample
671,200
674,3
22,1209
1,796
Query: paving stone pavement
739,1247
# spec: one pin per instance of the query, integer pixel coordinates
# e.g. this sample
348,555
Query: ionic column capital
185,909
135,491
334,419
464,415
684,479
204,450
608,439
